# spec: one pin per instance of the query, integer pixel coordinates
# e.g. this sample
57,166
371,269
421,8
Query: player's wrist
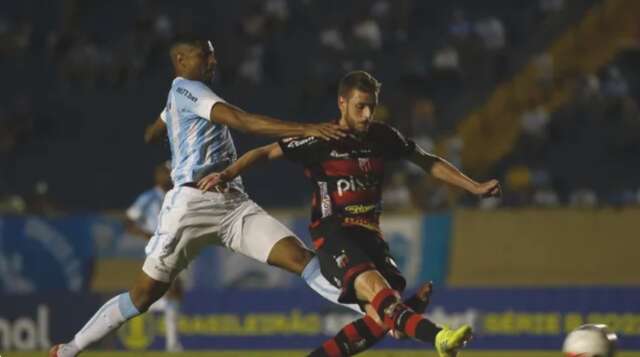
225,176
475,188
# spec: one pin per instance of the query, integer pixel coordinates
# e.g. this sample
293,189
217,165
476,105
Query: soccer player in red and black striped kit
347,176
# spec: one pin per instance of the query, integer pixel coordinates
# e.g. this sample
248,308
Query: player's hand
489,188
325,131
215,181
424,292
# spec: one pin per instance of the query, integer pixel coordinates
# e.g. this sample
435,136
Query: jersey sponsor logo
325,199
293,143
340,155
359,209
361,222
354,153
187,94
355,184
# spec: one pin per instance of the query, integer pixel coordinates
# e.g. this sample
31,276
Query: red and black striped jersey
347,174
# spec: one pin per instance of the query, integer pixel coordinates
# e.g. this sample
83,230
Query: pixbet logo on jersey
352,183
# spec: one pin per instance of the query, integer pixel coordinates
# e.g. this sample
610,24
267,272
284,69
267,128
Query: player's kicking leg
113,314
386,307
291,255
359,260
365,332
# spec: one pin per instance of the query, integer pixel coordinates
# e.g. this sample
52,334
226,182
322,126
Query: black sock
399,316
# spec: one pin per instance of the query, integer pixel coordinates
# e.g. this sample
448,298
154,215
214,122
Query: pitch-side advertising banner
503,319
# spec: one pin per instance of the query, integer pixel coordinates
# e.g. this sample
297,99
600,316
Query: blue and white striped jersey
198,145
145,209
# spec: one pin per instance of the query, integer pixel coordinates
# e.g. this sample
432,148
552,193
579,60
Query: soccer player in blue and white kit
196,121
142,215
142,221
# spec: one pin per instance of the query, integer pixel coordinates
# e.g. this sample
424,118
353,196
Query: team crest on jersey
365,164
342,260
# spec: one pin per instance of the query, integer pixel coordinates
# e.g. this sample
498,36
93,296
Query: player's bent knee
368,284
290,254
146,291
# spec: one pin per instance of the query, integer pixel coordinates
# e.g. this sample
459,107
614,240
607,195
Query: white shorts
191,219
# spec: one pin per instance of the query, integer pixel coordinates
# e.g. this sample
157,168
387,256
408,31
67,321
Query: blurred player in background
347,176
142,220
197,123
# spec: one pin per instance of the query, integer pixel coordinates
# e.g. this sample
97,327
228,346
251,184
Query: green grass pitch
294,353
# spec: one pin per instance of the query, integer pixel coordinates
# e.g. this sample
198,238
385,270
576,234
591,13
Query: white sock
171,314
314,278
110,316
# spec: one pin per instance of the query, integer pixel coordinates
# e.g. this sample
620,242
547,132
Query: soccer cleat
63,350
449,341
53,352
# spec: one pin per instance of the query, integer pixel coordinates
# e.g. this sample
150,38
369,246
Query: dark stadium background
543,95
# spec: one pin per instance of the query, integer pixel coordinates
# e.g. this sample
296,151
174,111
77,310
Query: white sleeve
134,213
163,115
196,97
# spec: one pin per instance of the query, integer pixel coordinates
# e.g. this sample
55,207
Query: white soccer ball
590,340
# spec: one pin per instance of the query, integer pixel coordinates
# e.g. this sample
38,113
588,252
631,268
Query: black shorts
345,252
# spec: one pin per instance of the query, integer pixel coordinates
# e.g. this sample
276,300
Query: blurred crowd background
84,77
541,94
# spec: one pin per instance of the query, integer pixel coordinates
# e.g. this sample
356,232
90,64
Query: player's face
357,110
201,63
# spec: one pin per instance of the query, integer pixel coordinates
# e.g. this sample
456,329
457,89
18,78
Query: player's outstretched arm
445,171
155,132
250,158
257,124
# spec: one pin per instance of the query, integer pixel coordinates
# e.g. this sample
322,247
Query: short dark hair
359,80
188,39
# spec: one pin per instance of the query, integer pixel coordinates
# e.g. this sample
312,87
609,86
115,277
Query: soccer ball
590,340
